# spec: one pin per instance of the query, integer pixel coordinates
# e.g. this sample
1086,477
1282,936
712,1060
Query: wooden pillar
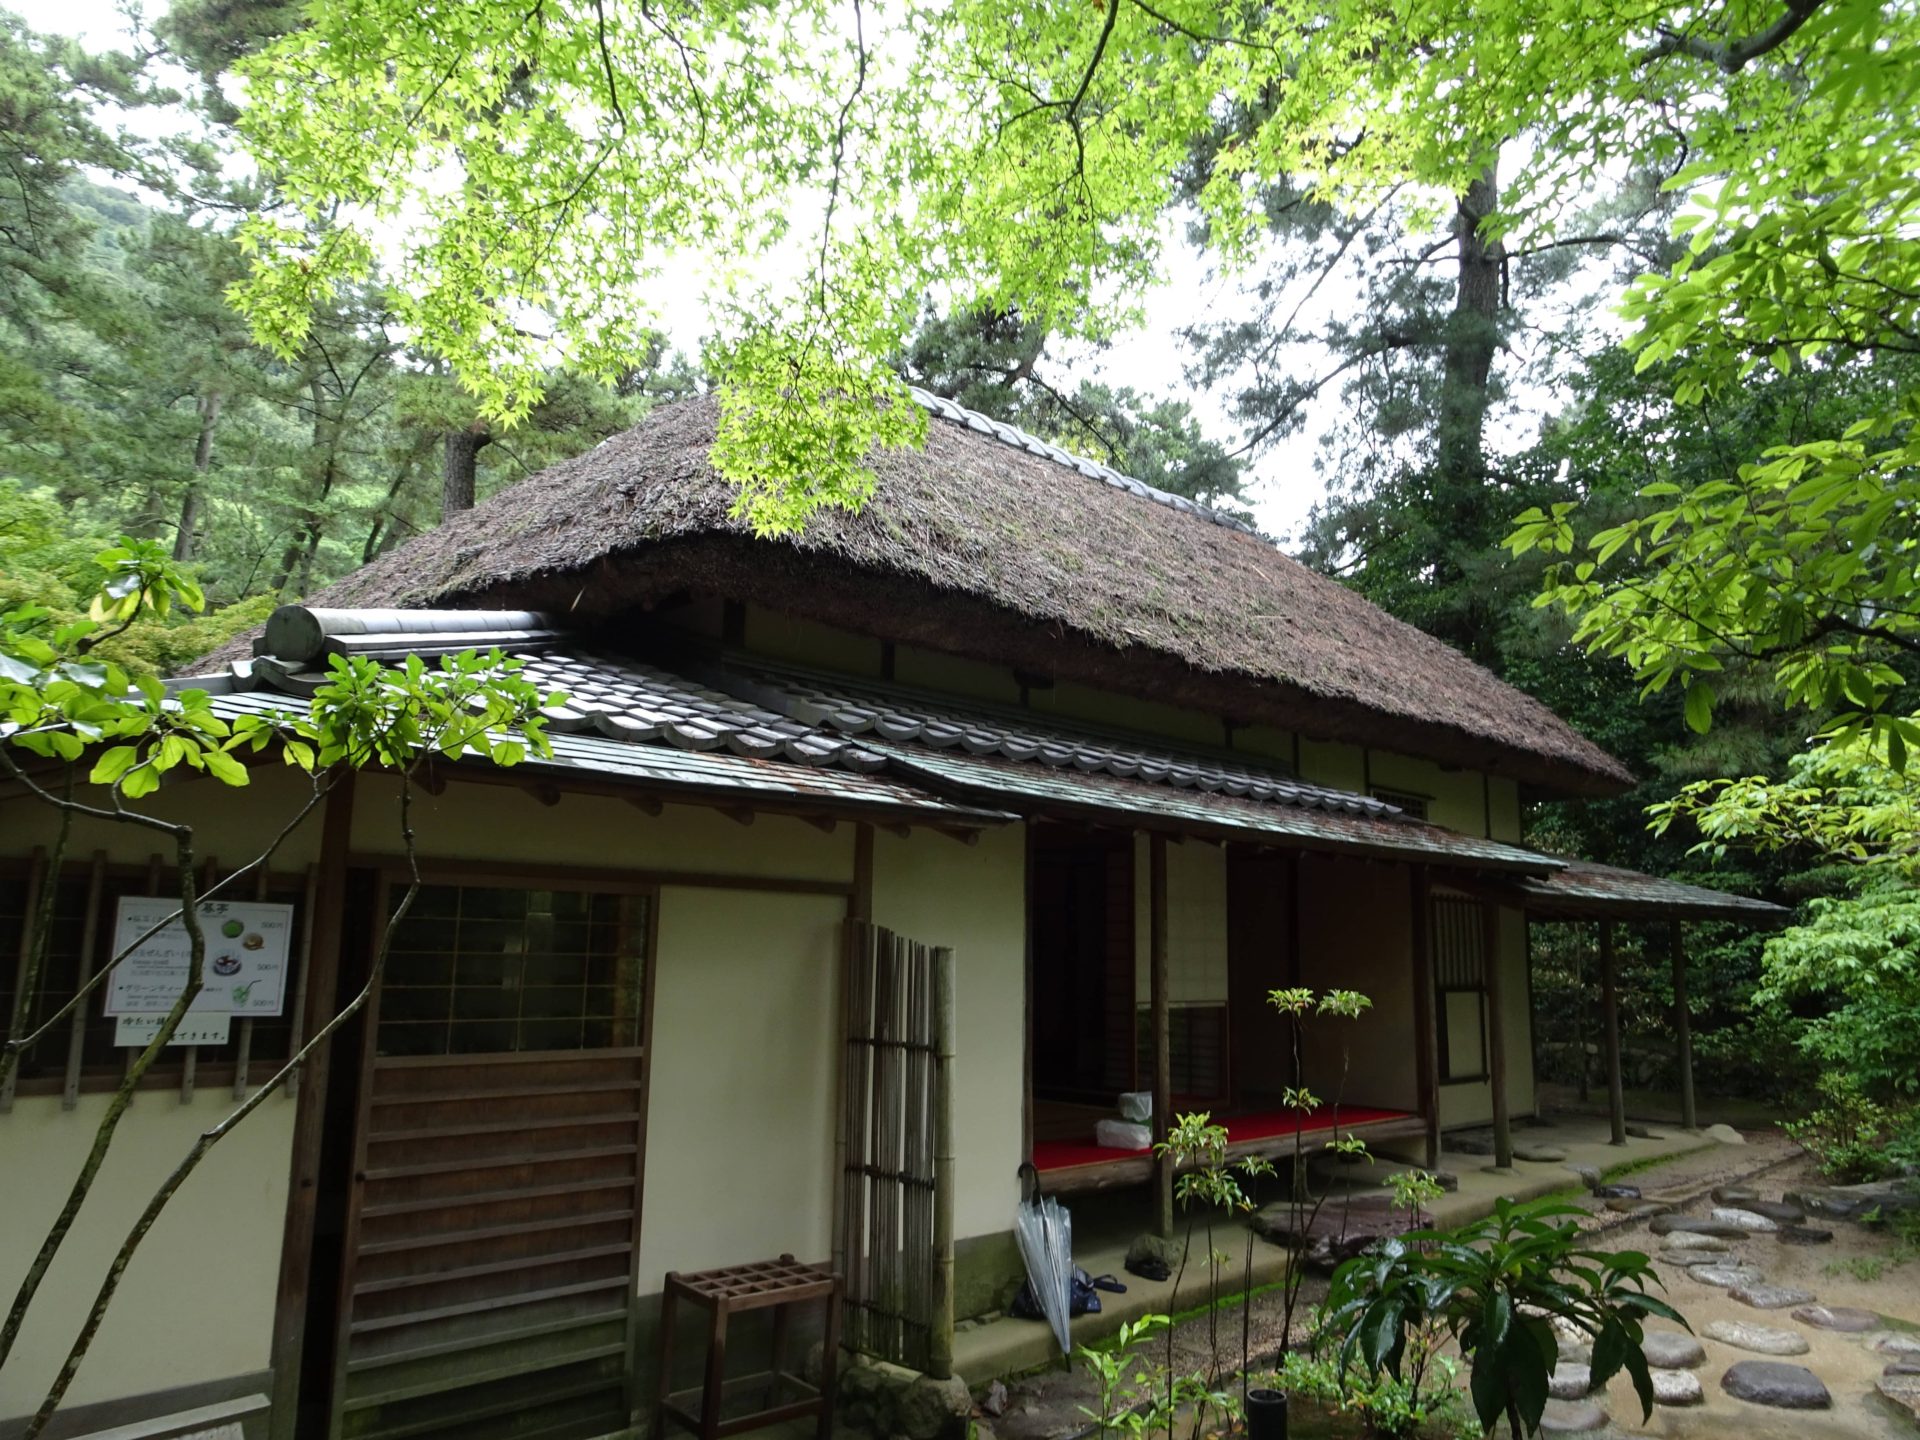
1426,1053
1161,1019
940,1348
859,916
1610,1015
1683,1028
320,987
1496,1035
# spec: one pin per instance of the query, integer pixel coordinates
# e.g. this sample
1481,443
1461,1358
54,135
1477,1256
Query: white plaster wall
248,819
503,822
740,1115
972,898
197,1302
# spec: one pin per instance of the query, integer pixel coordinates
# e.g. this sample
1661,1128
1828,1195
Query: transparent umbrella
1045,1234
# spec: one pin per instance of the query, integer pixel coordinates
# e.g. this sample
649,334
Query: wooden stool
776,1284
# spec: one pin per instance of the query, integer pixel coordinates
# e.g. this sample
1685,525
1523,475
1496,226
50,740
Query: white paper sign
194,1029
245,968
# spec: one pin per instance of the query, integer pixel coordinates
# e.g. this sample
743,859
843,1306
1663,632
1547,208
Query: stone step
1760,1339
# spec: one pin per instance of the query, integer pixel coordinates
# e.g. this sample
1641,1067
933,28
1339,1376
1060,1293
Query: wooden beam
1161,1010
17,1022
825,824
1683,1026
320,987
1426,1057
1610,1012
545,791
1496,1036
860,905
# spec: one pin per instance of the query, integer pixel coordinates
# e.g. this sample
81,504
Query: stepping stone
1745,1219
1777,1211
1617,1192
1692,1259
1676,1387
1903,1391
1844,1318
1569,1381
1671,1350
1902,1367
1769,1297
1850,1202
1542,1154
1899,1344
1474,1142
1726,1277
1734,1194
1768,1382
1589,1174
1725,1134
1677,1224
1580,1352
1571,1417
1803,1235
1761,1339
1624,1205
1641,1132
1446,1180
1693,1240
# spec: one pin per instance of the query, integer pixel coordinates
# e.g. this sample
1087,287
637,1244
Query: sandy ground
1847,1363
1047,1406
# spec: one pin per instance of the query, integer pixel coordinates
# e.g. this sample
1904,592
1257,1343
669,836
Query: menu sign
244,971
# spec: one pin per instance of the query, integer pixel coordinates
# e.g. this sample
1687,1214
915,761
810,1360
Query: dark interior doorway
1081,920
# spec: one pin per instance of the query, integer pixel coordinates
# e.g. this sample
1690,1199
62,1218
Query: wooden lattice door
493,1227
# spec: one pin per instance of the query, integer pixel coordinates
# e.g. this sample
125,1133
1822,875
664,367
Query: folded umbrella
1044,1231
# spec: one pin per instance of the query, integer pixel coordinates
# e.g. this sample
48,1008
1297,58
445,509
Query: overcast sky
1153,360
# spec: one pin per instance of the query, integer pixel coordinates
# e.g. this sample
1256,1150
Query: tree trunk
183,536
1473,336
457,471
297,559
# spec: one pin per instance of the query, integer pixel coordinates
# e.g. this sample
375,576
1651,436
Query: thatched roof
994,548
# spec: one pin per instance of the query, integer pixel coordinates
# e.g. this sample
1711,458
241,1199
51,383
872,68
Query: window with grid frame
492,969
1460,986
43,1065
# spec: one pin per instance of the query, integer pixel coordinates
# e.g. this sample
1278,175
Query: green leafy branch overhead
533,176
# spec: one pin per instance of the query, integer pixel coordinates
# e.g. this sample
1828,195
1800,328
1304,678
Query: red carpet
1065,1154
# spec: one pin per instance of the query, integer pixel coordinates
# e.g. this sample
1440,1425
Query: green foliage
60,699
1423,1400
1853,1137
1843,802
1493,1286
848,163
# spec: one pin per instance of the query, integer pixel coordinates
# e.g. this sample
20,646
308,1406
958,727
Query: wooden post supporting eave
859,915
940,1341
1496,1036
1610,1013
1161,1016
319,987
1426,1056
1683,1028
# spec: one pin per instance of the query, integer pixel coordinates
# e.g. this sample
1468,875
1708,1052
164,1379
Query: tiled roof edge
1020,440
